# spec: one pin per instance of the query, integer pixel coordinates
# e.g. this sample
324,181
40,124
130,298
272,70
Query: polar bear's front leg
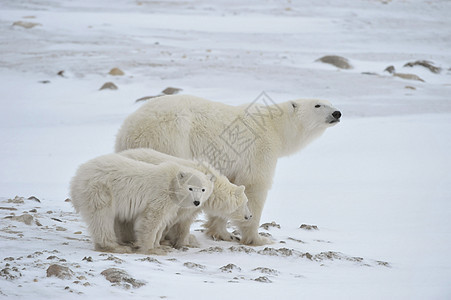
146,228
249,229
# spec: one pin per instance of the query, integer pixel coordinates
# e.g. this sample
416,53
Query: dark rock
25,218
424,63
17,200
26,25
8,208
337,61
60,73
309,227
390,69
408,76
34,199
108,86
263,279
229,268
171,91
266,271
191,265
146,98
59,271
272,224
166,91
10,273
121,278
116,72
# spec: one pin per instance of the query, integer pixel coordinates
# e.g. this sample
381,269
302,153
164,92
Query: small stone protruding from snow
408,76
171,91
17,200
426,64
116,72
337,61
25,218
390,69
121,278
26,25
263,279
309,227
191,265
266,271
59,271
34,199
272,224
108,86
230,268
166,91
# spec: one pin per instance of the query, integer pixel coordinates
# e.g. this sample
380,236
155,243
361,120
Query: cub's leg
101,227
146,229
217,229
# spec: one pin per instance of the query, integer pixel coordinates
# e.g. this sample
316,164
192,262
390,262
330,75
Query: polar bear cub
148,196
227,201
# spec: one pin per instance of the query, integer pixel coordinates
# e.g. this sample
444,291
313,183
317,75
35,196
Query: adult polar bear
243,142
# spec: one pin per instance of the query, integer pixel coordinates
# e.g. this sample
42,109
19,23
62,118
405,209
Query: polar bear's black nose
336,114
196,203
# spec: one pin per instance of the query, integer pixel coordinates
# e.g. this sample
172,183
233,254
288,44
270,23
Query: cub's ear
181,175
239,190
211,177
294,105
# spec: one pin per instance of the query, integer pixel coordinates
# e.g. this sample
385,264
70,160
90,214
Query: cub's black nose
336,114
196,203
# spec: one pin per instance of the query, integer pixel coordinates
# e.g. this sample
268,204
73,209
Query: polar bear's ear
211,177
239,190
181,175
294,105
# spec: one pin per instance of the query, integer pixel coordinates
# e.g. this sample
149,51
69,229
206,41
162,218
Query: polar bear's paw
158,251
256,240
192,242
116,248
221,235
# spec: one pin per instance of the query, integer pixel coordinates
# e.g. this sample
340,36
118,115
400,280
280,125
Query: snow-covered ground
377,186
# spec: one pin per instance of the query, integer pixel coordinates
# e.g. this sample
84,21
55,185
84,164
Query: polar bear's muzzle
335,117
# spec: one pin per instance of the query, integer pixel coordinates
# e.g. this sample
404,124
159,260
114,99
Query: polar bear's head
315,113
228,201
191,188
305,120
242,211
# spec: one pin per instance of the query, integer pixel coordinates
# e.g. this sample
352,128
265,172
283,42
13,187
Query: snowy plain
377,185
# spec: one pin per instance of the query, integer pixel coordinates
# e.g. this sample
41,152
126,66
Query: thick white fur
187,126
147,196
227,201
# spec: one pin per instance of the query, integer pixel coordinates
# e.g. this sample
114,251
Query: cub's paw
256,240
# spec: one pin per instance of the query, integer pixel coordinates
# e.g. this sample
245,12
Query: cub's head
240,209
315,113
191,188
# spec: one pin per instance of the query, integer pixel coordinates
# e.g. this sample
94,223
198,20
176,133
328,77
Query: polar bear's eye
203,190
317,106
191,189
